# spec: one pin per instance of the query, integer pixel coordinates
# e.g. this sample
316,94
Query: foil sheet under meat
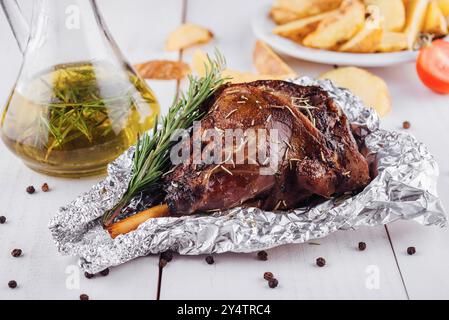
405,188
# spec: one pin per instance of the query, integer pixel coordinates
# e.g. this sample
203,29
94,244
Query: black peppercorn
162,263
268,276
12,284
105,272
89,275
16,253
210,260
45,187
362,246
411,250
84,297
320,262
273,283
2,219
262,255
30,189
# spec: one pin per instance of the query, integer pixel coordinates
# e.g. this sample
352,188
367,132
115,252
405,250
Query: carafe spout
17,22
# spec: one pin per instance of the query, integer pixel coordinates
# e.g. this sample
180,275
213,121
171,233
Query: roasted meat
316,150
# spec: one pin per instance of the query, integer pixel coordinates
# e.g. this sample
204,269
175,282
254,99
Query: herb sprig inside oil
76,108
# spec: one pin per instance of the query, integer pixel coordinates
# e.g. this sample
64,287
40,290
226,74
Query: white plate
263,28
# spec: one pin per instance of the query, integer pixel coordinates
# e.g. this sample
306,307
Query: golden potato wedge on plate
187,35
366,40
392,11
371,89
298,29
444,7
338,28
302,8
267,61
281,16
392,42
415,18
435,22
163,70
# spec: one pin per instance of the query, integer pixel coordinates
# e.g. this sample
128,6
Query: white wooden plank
425,273
238,276
41,272
140,28
348,274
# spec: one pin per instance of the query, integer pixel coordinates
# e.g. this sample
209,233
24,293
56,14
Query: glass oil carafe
77,104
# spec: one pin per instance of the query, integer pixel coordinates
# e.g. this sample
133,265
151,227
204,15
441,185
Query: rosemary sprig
74,106
152,153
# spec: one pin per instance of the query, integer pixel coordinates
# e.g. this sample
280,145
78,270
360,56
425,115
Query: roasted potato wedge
187,35
444,6
241,77
281,16
372,90
435,22
415,18
200,61
267,61
392,11
163,70
284,11
393,41
366,40
298,29
339,28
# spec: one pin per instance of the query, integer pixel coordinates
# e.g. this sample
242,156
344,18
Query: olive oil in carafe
76,118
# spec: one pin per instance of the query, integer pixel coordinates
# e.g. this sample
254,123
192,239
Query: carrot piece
131,223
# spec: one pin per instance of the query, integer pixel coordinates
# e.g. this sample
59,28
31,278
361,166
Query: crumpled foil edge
405,188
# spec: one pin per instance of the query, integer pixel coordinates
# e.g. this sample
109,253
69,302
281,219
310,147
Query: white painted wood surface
41,273
140,27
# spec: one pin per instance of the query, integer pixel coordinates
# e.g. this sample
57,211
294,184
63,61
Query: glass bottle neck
68,31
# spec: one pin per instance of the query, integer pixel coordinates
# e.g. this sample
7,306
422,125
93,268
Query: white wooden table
140,28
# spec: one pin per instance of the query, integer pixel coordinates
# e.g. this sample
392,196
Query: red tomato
433,66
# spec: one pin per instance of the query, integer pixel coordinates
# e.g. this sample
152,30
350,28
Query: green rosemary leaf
151,158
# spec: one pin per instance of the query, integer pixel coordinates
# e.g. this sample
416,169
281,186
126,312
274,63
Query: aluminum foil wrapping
405,188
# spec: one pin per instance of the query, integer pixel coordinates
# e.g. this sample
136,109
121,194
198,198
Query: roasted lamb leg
317,152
